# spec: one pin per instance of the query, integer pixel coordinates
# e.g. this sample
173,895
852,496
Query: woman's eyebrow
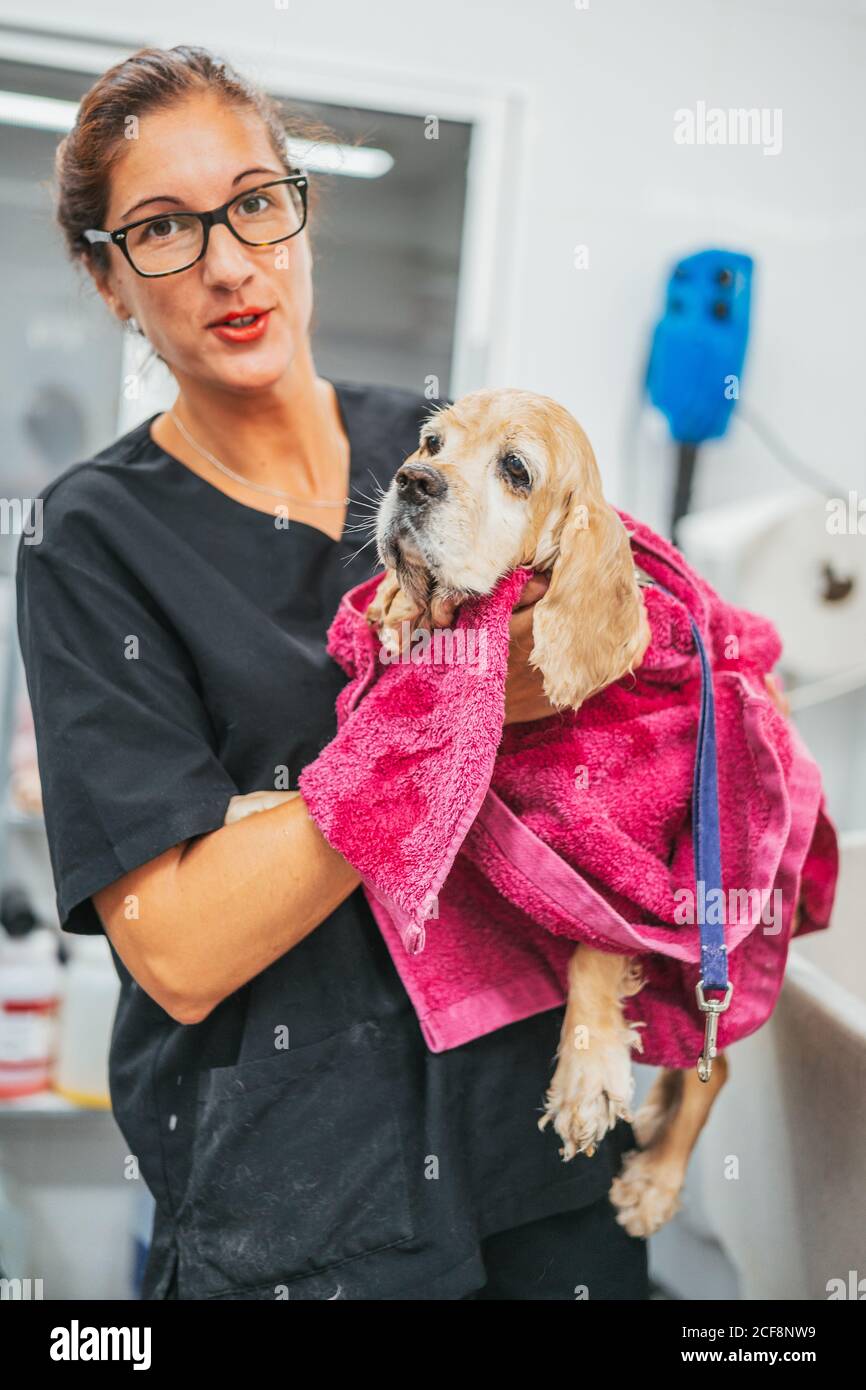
144,202
169,198
277,173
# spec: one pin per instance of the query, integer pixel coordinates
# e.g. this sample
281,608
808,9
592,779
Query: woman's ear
109,292
591,626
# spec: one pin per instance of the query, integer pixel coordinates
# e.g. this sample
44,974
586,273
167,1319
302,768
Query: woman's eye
432,443
515,470
250,206
165,227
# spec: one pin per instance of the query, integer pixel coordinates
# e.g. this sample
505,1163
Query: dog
501,479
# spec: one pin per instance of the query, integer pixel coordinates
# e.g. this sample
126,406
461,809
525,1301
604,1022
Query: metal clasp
712,1008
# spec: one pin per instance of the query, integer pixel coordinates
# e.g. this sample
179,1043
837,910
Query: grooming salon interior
653,215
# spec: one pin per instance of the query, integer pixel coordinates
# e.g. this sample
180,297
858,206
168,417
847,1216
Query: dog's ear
590,627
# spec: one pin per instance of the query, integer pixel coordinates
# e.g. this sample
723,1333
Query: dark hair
150,80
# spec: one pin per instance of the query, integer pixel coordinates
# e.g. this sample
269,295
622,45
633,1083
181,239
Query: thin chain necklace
239,478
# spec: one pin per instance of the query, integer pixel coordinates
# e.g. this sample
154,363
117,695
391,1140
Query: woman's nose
226,262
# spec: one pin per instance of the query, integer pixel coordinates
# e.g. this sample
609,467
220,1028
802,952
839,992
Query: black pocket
297,1163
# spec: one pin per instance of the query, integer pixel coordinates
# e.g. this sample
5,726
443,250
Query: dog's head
506,478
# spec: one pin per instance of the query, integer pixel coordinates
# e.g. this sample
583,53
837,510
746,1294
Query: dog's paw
646,1193
385,595
394,614
591,1090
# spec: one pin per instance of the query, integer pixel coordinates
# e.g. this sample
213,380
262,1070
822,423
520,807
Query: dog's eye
431,443
515,471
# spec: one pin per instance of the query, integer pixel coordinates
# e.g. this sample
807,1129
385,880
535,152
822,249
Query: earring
130,325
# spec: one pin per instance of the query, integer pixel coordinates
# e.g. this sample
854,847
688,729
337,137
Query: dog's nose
419,482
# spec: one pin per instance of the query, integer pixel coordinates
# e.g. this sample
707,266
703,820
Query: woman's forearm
215,911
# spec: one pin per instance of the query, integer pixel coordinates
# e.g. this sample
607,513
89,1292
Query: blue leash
706,840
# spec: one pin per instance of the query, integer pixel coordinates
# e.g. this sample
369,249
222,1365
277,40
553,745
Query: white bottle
30,981
87,1012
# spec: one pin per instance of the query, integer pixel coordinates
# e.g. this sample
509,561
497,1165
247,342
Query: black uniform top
174,645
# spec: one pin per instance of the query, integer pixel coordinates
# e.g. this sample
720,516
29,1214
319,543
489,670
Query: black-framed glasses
174,241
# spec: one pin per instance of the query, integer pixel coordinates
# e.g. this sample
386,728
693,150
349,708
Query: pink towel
487,852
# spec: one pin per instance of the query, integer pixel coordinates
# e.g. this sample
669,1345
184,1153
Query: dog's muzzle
416,488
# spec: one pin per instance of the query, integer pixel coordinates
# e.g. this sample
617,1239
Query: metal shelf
44,1103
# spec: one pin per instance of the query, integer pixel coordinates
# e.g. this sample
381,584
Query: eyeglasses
173,241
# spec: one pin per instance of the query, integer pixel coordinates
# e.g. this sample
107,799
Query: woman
173,629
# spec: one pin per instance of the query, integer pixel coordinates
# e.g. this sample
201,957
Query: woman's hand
524,685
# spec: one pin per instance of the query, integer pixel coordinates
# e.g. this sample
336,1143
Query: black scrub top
174,645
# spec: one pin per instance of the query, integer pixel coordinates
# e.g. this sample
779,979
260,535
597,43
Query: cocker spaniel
500,479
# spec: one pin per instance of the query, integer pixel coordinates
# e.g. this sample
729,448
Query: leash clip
712,1008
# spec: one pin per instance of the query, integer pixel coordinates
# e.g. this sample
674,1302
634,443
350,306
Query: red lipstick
242,325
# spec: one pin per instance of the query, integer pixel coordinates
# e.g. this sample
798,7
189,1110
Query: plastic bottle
30,981
86,1019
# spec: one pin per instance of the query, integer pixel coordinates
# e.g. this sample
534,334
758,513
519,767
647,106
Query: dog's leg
646,1193
249,805
661,1101
592,1085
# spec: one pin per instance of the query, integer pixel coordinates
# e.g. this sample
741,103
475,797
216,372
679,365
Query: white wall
601,85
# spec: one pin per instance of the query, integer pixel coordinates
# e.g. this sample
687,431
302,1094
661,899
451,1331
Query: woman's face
194,157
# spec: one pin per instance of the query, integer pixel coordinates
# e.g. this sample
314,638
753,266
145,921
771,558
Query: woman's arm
197,922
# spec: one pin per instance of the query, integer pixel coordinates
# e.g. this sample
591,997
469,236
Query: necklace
239,478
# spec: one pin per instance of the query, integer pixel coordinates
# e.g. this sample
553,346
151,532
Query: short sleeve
125,745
